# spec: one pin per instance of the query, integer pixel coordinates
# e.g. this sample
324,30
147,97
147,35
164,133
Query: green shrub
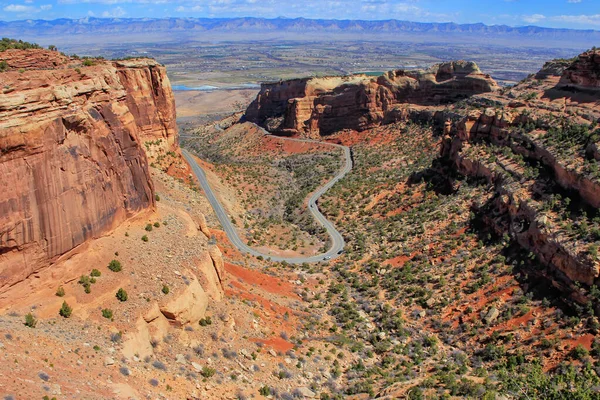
165,289
207,372
107,313
121,294
115,266
145,238
30,320
205,321
265,391
95,272
60,292
157,224
148,227
86,283
88,62
65,310
579,352
3,66
157,197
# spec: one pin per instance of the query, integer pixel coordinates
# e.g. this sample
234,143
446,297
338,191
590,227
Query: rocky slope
540,153
72,135
320,106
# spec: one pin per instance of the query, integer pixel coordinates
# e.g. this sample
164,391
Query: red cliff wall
320,106
72,160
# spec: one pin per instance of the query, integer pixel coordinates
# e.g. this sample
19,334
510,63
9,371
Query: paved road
336,238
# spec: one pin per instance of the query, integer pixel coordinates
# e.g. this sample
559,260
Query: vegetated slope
272,179
472,244
72,150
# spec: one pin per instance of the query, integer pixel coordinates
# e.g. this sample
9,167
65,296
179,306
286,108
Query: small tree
65,310
121,295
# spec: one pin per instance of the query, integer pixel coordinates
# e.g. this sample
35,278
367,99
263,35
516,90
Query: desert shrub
107,313
159,365
121,295
86,283
60,292
95,273
157,224
579,352
88,62
115,266
145,238
148,227
165,289
207,372
30,320
65,310
205,321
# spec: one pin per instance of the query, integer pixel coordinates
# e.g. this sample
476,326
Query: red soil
277,343
266,282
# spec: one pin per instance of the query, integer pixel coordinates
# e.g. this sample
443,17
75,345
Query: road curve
336,238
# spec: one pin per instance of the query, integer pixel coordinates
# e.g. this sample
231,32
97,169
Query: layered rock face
320,106
536,158
72,159
584,73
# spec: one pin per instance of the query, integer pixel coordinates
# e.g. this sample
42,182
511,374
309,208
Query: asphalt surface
337,240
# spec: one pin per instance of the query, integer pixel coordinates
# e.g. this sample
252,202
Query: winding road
337,240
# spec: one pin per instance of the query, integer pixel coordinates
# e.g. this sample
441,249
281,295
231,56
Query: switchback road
337,241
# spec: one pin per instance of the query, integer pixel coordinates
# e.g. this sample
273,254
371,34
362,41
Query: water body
209,88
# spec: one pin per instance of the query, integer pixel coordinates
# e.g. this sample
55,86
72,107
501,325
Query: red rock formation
584,72
72,163
320,106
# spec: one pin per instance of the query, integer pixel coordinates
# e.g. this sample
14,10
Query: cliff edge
72,159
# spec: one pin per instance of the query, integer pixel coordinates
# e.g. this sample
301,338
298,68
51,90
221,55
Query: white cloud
578,19
532,19
574,1
19,8
114,13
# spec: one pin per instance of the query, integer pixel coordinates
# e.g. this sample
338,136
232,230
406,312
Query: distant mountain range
192,26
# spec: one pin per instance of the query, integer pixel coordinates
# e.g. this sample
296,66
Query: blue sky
583,14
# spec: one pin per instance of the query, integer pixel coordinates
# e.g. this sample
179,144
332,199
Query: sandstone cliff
584,72
72,159
321,106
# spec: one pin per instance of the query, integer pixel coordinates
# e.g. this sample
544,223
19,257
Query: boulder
188,306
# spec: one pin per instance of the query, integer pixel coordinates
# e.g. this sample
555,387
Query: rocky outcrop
72,157
512,210
186,307
584,72
320,106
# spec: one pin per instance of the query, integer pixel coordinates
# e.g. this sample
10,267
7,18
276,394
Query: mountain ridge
90,25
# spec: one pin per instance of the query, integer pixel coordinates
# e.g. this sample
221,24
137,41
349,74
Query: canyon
470,220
